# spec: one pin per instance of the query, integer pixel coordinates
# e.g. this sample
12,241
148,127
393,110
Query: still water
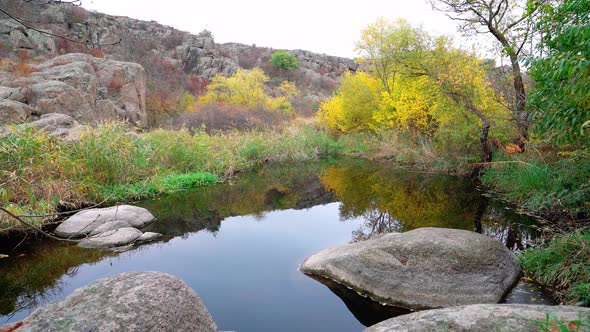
239,244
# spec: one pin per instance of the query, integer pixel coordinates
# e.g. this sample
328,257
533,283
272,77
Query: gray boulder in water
113,238
84,222
487,317
135,301
109,226
422,269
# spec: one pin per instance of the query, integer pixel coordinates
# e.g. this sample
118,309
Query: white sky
330,27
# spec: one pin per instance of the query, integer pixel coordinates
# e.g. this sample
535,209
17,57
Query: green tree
284,60
561,94
511,22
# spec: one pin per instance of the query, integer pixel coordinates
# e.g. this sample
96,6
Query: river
239,244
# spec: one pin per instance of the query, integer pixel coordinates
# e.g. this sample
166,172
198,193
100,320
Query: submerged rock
486,317
422,269
136,301
84,222
148,237
112,238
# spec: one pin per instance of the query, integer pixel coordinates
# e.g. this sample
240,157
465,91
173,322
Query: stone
148,237
12,94
113,238
61,126
13,112
58,97
422,269
483,318
109,226
133,301
84,222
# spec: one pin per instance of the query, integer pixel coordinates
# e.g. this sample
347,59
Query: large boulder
54,96
12,94
58,125
113,238
13,112
84,222
135,301
422,269
87,88
487,317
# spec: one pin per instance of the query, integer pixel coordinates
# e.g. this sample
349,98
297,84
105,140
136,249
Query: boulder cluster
110,227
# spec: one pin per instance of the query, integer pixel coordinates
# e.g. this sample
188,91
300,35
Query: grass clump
186,181
553,323
563,263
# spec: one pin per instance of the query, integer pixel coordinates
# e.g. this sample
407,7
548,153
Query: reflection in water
384,198
365,310
394,200
29,277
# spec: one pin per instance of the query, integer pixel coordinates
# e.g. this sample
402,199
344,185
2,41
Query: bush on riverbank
39,172
564,263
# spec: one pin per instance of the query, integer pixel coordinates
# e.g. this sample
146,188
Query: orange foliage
114,85
21,68
512,149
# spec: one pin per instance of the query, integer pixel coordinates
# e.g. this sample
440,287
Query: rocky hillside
83,87
172,59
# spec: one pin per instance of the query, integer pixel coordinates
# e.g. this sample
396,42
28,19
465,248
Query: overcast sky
330,27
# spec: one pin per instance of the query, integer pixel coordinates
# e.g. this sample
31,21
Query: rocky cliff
86,88
162,50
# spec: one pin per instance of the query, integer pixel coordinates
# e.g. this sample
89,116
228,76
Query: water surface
239,244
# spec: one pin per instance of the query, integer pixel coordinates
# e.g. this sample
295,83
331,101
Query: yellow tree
355,104
247,88
512,24
460,77
389,47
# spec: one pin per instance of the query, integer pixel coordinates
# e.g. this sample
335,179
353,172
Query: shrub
173,39
284,60
219,116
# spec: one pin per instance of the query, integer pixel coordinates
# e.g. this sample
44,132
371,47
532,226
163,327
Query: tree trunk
522,115
486,150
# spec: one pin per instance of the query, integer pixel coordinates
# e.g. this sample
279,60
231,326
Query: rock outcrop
150,43
88,89
422,269
135,301
487,317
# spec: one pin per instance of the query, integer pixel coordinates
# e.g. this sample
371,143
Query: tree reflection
376,223
393,200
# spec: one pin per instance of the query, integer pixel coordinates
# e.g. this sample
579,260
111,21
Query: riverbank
41,174
555,185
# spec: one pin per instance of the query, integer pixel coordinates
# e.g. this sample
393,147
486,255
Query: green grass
552,323
39,172
561,185
563,263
